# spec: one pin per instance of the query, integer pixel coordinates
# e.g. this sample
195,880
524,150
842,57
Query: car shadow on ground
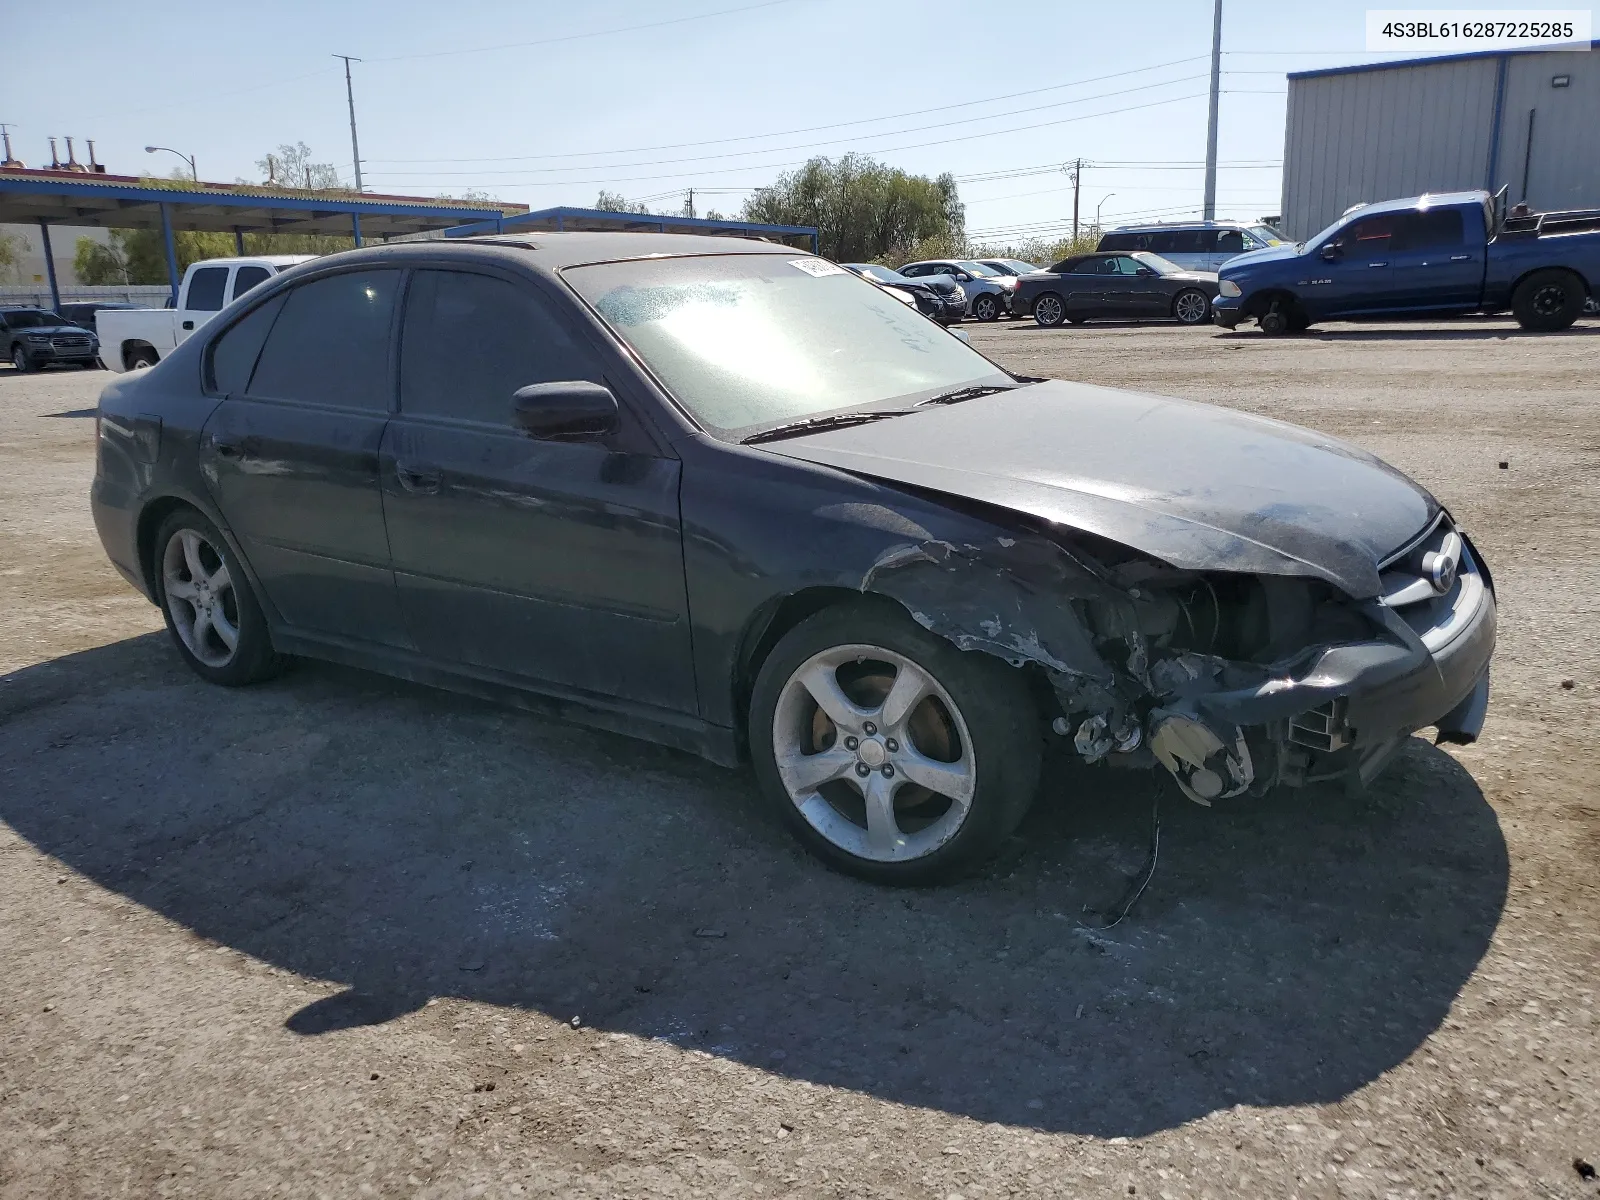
404,843
1391,334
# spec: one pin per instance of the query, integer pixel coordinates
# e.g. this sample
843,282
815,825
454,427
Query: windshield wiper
965,393
817,424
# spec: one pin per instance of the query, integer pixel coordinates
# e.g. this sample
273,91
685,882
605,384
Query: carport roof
127,202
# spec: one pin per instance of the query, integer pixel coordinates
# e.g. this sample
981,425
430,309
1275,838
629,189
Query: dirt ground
340,936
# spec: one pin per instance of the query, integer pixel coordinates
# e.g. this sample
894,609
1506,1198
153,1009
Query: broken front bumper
1342,710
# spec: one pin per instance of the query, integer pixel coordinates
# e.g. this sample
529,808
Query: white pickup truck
140,337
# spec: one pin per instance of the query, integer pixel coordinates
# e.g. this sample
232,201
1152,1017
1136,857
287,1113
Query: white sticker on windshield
817,266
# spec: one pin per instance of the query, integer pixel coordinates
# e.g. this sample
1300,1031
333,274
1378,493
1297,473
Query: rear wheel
144,357
1048,310
888,752
211,612
1548,300
1191,307
986,308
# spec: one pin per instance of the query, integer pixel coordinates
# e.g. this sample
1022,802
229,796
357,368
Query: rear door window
1427,230
1119,241
470,341
330,343
206,287
246,278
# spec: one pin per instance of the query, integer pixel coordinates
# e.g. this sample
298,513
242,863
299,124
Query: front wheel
211,611
20,360
1274,323
1049,311
889,753
1191,307
986,308
1548,301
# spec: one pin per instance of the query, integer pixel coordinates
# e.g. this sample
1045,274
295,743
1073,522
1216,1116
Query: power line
575,37
920,112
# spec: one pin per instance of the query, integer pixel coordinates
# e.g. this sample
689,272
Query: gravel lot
339,936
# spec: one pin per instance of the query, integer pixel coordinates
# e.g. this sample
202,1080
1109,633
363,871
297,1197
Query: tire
20,359
1548,300
1049,310
189,556
1192,307
986,308
973,727
143,358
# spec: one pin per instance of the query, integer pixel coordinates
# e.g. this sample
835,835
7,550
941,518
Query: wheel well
133,346
150,519
1576,274
1261,302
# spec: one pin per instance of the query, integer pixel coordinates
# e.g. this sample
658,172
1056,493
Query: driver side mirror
1330,252
573,410
963,277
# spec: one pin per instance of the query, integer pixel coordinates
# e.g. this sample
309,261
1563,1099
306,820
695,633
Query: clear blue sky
553,123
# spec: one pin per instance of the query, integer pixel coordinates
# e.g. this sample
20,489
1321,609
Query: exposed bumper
1225,311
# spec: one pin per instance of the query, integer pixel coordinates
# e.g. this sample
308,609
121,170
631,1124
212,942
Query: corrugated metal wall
1564,169
1376,135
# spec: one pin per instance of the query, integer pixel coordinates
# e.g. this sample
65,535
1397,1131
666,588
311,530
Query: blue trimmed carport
560,219
48,198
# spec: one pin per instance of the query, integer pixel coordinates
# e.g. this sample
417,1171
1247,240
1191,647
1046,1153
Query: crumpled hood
1197,486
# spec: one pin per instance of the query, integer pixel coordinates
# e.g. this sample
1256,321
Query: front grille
70,343
1433,601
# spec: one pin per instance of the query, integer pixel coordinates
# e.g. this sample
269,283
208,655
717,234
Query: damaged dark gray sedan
730,497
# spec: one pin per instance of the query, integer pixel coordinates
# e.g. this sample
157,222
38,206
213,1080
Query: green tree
10,258
864,210
290,166
613,202
97,263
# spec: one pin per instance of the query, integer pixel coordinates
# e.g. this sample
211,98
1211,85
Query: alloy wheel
874,753
1047,310
200,597
1190,308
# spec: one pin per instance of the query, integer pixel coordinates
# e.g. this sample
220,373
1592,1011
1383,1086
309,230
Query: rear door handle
234,447
1461,258
1378,264
419,481
188,324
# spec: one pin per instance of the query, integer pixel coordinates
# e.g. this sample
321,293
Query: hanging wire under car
1148,871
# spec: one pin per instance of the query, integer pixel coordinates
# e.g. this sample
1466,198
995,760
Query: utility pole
1209,209
689,206
1077,179
350,95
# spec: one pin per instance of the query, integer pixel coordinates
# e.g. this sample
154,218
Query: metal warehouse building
1527,120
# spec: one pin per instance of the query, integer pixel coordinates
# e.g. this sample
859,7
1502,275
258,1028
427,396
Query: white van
1193,245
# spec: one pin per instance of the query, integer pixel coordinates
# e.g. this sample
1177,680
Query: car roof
1427,199
558,250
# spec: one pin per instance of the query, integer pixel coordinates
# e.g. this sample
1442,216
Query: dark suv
35,337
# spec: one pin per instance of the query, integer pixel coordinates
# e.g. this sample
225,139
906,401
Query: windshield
32,319
881,274
978,269
1267,234
745,341
1020,267
1161,266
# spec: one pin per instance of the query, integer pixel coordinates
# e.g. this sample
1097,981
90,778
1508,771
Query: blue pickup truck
1426,256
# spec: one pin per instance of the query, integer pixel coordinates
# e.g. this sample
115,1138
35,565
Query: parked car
142,337
82,313
938,296
1115,285
1426,256
1196,245
1008,266
988,291
732,498
31,338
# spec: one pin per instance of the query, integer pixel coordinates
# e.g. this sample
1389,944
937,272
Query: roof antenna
55,162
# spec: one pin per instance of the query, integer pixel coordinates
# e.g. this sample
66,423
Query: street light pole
350,96
1099,206
188,158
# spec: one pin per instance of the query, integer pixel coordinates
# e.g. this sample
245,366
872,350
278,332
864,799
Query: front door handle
1378,264
419,481
1461,258
228,446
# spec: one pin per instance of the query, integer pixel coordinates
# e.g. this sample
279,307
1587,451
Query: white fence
151,295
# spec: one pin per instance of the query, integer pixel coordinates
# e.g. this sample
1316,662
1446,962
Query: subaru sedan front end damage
1230,682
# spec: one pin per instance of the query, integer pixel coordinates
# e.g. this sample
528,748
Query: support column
238,242
172,253
560,223
355,223
50,266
